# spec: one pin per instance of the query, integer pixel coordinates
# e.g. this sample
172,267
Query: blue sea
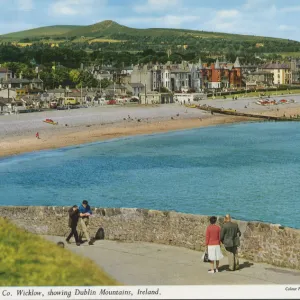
250,170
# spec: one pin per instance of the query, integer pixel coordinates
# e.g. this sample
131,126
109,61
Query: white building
186,98
5,93
156,98
281,73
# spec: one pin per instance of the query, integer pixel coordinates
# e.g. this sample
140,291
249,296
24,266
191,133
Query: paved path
152,264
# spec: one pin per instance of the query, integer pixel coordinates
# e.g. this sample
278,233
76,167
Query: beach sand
17,132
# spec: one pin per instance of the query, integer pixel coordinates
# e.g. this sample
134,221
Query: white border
154,292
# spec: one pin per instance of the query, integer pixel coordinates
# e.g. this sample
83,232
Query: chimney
20,76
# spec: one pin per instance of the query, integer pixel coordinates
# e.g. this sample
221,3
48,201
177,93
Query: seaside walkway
140,263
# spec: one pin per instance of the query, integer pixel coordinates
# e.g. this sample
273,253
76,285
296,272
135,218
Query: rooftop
4,70
275,66
136,85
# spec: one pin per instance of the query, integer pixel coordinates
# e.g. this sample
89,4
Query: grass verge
29,260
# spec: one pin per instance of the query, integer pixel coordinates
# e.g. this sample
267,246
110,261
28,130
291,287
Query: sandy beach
79,126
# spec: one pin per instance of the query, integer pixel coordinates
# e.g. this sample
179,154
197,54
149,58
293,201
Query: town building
282,74
259,79
135,88
186,77
21,83
8,93
186,98
156,98
143,74
5,74
222,75
295,71
116,89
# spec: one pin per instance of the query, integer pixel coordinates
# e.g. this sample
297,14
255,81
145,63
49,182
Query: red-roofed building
222,75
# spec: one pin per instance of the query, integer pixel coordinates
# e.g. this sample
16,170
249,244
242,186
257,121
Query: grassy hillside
29,260
112,30
47,31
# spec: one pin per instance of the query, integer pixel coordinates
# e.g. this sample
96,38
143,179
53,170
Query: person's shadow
244,265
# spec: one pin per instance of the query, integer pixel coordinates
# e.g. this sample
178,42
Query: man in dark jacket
73,221
230,237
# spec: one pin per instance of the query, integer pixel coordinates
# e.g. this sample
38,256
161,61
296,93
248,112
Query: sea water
249,170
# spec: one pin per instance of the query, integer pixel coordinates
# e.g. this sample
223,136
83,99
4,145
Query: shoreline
76,127
94,133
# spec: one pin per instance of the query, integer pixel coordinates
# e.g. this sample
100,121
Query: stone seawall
260,242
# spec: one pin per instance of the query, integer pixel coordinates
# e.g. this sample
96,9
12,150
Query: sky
275,18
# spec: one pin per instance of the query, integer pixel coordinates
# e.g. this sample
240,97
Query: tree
74,76
163,90
105,83
47,78
86,79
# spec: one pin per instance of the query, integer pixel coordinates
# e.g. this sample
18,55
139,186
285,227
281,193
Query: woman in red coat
213,244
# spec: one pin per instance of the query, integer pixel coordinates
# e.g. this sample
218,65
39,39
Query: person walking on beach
85,213
212,242
73,221
230,237
37,135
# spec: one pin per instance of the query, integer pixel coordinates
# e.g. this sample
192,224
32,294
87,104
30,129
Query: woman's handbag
205,257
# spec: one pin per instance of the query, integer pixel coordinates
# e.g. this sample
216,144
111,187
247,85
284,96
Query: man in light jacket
230,237
85,213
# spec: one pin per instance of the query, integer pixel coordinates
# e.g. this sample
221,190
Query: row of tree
43,54
56,75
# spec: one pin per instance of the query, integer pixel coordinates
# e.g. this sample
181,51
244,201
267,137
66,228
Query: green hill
48,31
29,260
111,29
117,37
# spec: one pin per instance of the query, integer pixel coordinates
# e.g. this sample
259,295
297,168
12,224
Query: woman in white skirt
213,244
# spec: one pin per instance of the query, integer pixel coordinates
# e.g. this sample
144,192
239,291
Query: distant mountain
117,37
48,31
111,29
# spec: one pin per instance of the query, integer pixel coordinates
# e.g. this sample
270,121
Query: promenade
140,263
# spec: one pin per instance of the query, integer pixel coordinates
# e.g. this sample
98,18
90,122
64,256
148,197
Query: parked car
112,102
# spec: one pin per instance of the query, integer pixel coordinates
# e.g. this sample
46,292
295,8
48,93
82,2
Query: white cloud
25,5
74,7
255,4
290,9
172,21
224,20
287,28
157,5
224,14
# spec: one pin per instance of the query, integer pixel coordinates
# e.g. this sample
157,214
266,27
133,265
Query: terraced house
185,76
